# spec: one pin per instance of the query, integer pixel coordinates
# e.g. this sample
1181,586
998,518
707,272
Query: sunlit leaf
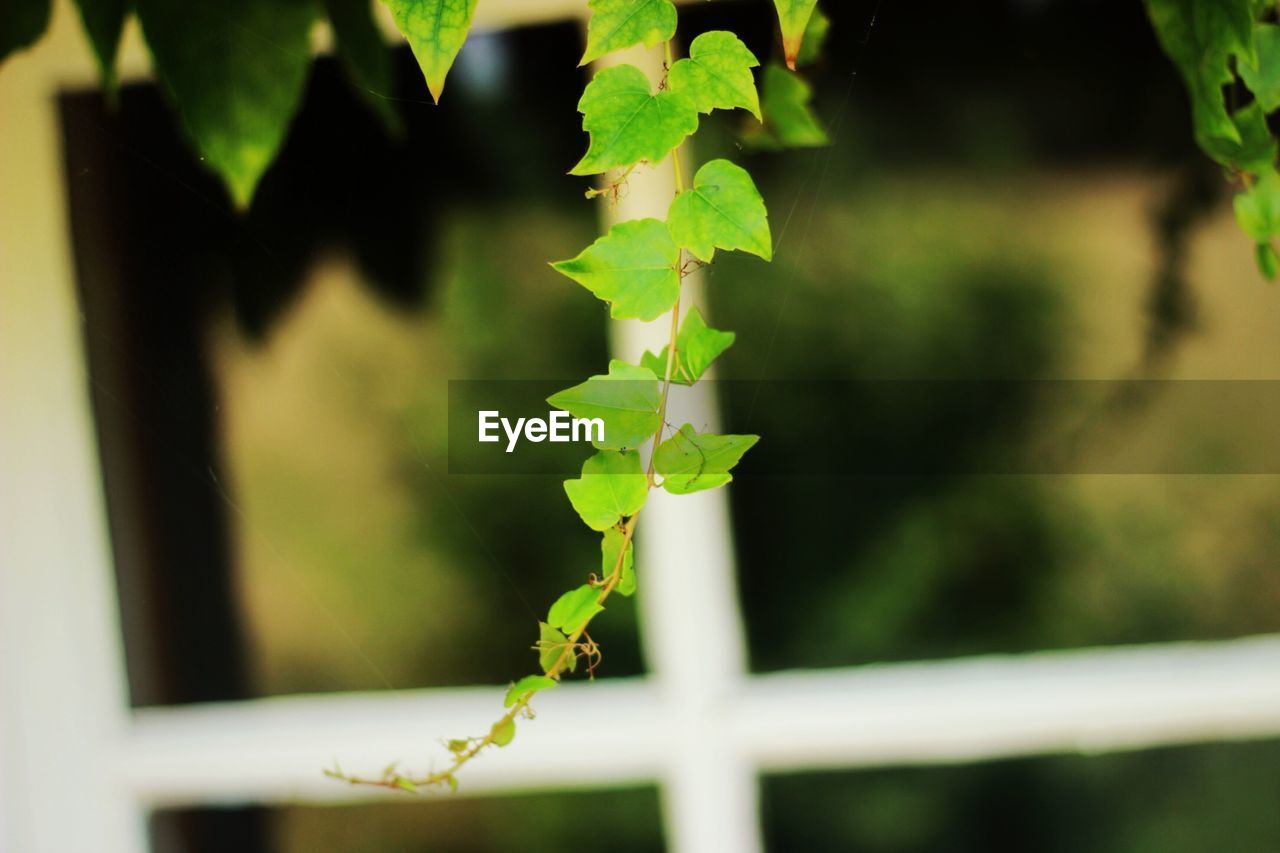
628,123
436,30
527,686
723,209
575,608
236,70
634,268
551,645
618,24
626,400
697,346
610,550
717,74
612,485
690,461
503,732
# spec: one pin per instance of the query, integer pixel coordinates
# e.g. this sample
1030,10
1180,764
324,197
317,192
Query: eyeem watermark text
558,427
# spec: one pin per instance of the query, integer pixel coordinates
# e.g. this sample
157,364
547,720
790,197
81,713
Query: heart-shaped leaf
634,268
613,485
717,74
690,461
626,400
628,123
697,346
723,209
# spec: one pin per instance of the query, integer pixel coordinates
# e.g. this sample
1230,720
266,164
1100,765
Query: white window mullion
63,694
690,621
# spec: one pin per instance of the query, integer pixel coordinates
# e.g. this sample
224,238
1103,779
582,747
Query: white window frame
79,770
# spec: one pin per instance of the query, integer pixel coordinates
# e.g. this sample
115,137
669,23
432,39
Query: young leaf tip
436,32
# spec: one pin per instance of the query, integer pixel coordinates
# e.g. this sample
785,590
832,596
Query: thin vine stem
446,776
397,781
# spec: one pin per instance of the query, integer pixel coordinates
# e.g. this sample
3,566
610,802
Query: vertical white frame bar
689,616
63,694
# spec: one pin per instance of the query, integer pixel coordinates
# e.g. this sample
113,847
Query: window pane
1183,800
611,821
961,229
270,388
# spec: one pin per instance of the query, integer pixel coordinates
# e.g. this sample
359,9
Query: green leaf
626,400
1263,76
1268,262
1253,150
575,608
610,549
717,74
618,24
635,268
1258,208
436,30
503,732
697,346
1200,36
366,57
628,123
236,71
722,209
103,22
551,645
612,485
788,121
793,18
690,461
815,36
406,785
22,22
526,686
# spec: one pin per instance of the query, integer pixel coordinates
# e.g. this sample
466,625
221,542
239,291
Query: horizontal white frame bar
274,750
622,732
1083,701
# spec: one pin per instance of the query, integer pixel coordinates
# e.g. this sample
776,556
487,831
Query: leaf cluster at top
1219,45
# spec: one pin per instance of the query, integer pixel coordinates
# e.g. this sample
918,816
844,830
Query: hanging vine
235,72
639,268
